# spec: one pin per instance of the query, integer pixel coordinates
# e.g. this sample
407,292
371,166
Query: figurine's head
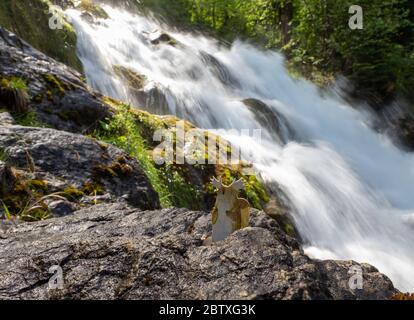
227,195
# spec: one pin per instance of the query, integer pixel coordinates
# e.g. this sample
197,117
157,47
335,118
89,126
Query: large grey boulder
114,251
63,160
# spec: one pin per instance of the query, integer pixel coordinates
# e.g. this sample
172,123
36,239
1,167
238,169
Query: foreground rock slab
114,251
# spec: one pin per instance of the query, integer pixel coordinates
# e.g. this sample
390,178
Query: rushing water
351,189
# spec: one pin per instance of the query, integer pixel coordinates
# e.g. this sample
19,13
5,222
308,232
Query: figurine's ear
238,185
216,183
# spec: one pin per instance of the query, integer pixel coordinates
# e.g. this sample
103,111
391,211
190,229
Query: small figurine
230,212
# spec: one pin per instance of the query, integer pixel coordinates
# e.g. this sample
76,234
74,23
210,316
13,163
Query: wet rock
219,70
133,79
163,38
114,251
280,212
275,123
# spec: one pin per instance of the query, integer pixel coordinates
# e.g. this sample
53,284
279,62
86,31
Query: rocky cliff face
114,251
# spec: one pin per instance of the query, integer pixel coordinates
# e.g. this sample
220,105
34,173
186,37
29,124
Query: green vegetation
26,199
55,86
123,131
3,155
29,19
72,193
7,214
177,185
316,38
13,83
14,95
29,119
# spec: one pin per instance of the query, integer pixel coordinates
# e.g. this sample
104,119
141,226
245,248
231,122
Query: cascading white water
350,188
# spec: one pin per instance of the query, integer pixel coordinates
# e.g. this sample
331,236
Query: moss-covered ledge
180,185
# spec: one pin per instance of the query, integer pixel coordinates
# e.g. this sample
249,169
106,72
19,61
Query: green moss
72,193
182,194
92,188
289,230
38,98
104,171
37,185
116,169
14,83
254,190
123,131
29,19
177,185
55,86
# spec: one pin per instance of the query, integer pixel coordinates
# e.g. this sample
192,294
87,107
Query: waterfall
349,187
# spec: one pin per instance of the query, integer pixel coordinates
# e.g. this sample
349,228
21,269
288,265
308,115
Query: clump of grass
29,119
14,94
3,155
37,209
14,83
6,210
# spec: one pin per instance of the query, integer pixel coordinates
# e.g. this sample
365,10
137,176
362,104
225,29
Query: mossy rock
164,38
24,198
180,185
29,19
133,79
92,8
